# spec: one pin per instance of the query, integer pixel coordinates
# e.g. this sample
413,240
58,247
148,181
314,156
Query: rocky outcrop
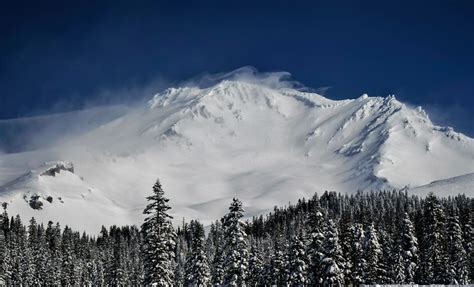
52,171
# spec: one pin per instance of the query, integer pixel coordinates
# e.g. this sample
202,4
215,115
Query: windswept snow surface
266,145
463,184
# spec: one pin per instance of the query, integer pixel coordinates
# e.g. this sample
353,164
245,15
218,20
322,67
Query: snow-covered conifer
333,262
256,266
158,239
315,234
434,262
356,255
216,235
372,256
409,249
397,271
5,267
458,260
197,271
236,246
297,262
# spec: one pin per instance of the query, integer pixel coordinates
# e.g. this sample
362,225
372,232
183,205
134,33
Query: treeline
334,239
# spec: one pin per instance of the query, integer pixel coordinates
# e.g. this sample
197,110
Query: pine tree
256,265
389,257
346,224
268,252
41,255
297,262
458,259
278,272
236,248
180,260
98,275
333,262
85,251
372,256
13,247
5,256
158,239
17,247
315,238
53,245
68,257
197,271
409,250
119,264
434,262
356,255
136,278
5,267
216,236
467,219
104,245
398,268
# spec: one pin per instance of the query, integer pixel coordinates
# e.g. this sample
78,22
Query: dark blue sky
67,52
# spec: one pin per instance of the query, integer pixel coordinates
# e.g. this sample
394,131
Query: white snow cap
257,136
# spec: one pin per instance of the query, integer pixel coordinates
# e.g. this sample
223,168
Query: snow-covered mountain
54,191
266,144
463,184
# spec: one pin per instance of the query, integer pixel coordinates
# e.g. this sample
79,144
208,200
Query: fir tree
197,271
53,247
158,239
372,256
5,267
409,250
333,262
136,278
297,262
434,261
315,224
346,223
68,258
398,268
467,219
119,263
180,260
268,251
356,255
458,259
41,255
104,244
278,273
217,269
256,266
389,256
236,248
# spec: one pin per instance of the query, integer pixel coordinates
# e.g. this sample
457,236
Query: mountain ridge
265,144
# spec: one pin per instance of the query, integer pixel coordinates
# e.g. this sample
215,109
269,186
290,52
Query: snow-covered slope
266,144
463,184
53,191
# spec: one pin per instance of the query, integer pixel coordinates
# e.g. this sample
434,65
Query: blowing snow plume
247,74
67,120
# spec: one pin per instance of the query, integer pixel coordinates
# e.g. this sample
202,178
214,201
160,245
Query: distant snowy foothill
253,137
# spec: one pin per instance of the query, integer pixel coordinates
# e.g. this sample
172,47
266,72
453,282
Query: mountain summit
266,144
